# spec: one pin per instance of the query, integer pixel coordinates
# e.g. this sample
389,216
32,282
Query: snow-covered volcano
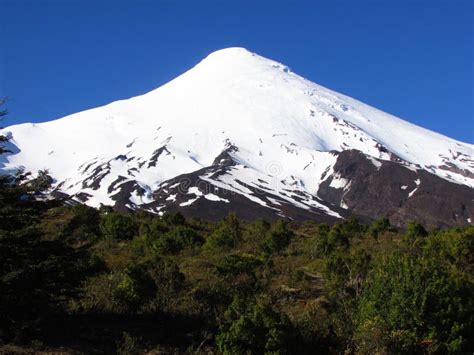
238,131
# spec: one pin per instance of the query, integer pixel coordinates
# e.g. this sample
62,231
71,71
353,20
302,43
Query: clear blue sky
412,58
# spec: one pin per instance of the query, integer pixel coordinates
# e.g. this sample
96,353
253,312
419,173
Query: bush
118,226
257,231
239,271
174,219
227,234
278,238
379,226
176,240
120,292
329,240
142,245
414,302
84,225
169,282
253,328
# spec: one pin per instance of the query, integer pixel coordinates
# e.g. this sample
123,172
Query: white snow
283,125
376,163
339,182
171,198
212,197
189,202
417,182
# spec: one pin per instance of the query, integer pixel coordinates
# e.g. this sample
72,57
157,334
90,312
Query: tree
41,183
239,272
176,239
84,224
227,234
119,291
379,226
118,226
414,302
3,139
253,328
174,219
278,238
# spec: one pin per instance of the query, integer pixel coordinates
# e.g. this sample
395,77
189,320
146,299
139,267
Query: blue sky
411,58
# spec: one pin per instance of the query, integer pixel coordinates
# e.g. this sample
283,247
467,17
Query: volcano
242,133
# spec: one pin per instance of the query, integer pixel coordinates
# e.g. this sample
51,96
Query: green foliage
84,224
329,240
410,293
454,248
118,226
239,271
142,246
174,219
316,335
278,238
128,345
227,234
256,233
237,264
379,226
41,183
253,328
177,239
411,302
120,291
169,282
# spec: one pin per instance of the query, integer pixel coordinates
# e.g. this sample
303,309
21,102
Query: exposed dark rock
453,168
175,192
113,185
225,158
83,196
122,197
93,180
156,154
392,191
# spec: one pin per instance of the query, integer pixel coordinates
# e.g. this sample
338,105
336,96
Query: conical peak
229,57
237,61
230,53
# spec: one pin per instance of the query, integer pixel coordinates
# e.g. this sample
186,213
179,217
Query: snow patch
212,197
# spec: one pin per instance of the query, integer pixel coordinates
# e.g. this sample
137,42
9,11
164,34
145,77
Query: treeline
78,279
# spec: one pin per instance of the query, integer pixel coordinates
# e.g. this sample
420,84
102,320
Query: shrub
227,234
84,225
278,238
379,226
176,240
414,302
174,219
118,226
239,272
257,231
120,292
253,328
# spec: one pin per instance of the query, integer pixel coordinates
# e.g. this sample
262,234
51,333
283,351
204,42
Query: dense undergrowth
78,279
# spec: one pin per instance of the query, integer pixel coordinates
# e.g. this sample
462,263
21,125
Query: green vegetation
78,279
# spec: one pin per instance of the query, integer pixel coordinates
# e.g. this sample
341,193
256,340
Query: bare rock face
398,192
